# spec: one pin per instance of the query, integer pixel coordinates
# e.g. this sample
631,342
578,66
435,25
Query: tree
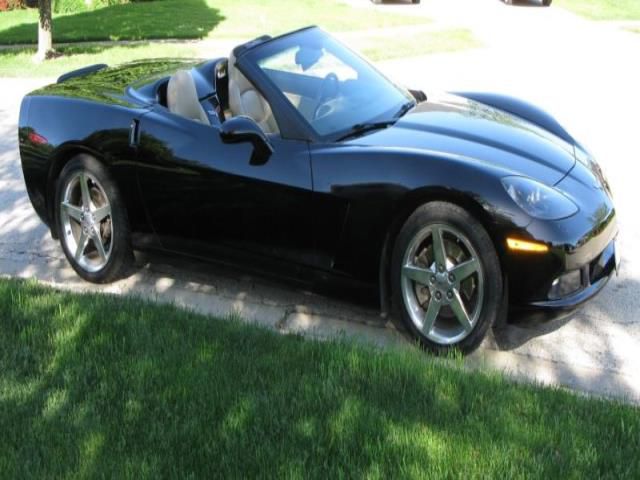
45,28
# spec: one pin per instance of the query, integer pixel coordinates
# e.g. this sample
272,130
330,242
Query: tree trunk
45,38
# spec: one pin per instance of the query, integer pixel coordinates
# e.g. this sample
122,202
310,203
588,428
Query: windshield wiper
405,108
362,128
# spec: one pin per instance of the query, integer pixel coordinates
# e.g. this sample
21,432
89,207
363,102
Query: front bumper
576,245
595,275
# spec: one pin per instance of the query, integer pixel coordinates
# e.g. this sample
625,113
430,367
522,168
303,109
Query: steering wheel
328,90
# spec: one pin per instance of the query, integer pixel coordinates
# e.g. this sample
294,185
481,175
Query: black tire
443,213
546,3
121,257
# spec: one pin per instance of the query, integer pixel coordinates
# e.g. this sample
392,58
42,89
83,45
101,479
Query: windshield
329,85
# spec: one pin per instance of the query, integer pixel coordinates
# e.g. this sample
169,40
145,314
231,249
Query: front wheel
92,221
447,280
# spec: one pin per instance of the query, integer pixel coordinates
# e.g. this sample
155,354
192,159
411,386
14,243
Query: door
204,197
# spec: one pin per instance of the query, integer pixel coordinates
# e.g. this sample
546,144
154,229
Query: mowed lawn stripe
103,386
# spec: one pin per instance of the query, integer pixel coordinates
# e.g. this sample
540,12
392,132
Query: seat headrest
182,97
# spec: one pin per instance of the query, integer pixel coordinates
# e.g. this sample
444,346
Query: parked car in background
545,3
382,1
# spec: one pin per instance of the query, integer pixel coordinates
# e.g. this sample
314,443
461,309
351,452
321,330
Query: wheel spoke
97,241
101,213
73,211
84,188
439,253
417,274
430,317
465,269
82,245
460,311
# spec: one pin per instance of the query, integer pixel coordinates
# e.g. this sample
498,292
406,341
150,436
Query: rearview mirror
307,57
244,129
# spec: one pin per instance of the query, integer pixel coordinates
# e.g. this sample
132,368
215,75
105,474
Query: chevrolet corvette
295,155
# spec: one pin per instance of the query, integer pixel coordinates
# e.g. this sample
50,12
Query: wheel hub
88,222
442,286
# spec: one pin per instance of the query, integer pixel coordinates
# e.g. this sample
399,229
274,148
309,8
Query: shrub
11,4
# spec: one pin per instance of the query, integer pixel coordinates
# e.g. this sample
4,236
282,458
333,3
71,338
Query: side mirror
244,129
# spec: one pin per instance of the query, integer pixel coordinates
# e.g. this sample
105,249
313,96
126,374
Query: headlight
538,200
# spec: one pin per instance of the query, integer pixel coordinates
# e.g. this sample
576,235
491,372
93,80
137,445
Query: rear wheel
92,222
447,281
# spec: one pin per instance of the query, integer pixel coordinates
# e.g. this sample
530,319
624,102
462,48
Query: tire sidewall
121,254
460,219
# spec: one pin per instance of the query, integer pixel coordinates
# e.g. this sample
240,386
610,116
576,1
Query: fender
522,109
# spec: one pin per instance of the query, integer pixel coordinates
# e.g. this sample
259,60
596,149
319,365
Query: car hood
461,127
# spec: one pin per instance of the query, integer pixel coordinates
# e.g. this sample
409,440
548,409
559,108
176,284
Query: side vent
134,133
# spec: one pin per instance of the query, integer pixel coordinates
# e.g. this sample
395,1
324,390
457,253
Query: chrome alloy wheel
85,214
442,284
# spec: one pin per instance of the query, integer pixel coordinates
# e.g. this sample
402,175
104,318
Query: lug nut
452,277
438,296
433,279
449,294
441,268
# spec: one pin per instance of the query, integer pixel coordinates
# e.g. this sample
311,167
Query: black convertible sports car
296,153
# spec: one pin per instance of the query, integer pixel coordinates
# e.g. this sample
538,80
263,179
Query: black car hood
454,125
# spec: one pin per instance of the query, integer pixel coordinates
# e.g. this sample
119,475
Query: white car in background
545,3
382,1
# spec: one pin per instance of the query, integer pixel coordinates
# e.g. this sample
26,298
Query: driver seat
182,97
244,99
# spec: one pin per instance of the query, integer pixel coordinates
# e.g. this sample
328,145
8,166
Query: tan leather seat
244,99
182,97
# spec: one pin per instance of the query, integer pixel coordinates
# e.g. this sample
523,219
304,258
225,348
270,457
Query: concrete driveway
584,73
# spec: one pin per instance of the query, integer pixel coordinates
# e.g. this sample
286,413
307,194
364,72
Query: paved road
582,72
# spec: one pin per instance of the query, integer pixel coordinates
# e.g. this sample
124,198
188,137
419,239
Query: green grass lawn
603,9
198,19
19,63
99,386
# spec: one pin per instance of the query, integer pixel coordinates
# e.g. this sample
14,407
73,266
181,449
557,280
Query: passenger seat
182,97
245,99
